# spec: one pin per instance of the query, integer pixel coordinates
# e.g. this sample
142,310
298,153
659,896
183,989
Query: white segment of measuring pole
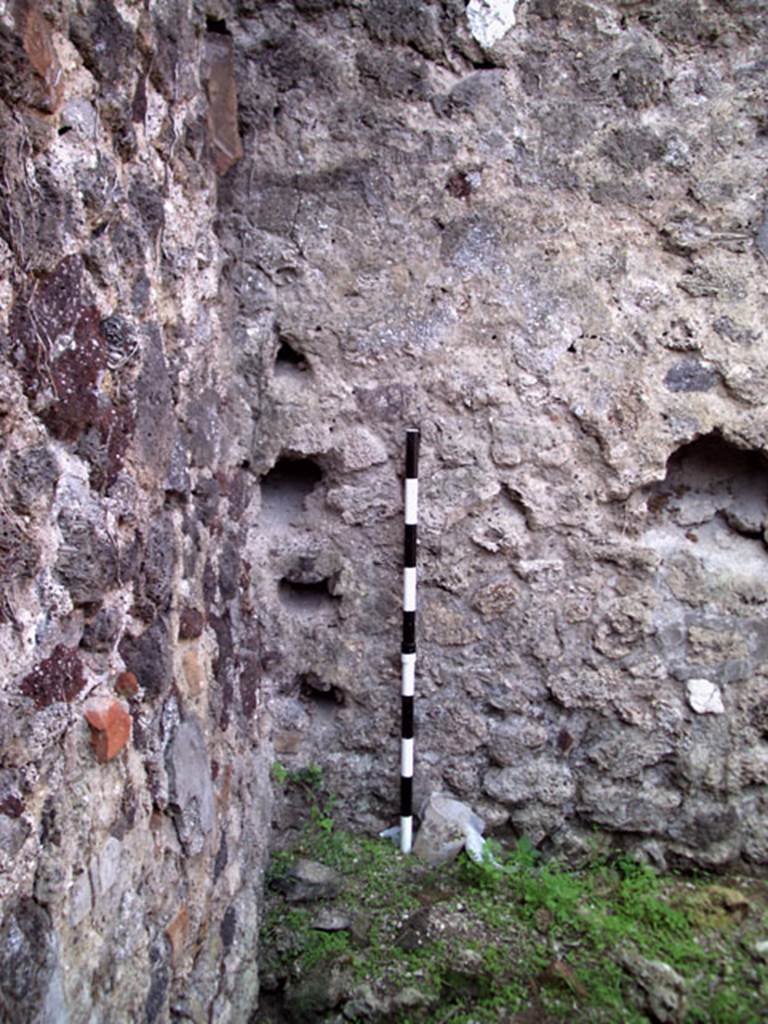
406,759
411,502
408,687
406,834
409,590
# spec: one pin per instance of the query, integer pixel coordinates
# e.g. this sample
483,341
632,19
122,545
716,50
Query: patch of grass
483,942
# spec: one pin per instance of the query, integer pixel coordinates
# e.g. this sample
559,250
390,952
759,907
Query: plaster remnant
705,697
490,20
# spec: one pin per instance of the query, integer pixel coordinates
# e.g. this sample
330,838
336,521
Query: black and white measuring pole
408,655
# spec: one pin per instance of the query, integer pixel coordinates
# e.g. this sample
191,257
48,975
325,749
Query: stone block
105,867
57,678
190,785
193,671
191,623
80,899
148,656
536,778
59,349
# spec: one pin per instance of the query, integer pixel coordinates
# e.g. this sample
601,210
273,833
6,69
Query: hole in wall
711,478
285,488
217,25
320,692
289,361
707,520
307,598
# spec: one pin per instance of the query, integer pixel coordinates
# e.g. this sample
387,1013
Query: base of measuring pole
406,835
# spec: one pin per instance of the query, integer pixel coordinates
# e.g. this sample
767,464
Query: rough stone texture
547,251
114,362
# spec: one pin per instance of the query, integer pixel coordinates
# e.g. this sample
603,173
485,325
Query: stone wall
549,253
134,797
243,246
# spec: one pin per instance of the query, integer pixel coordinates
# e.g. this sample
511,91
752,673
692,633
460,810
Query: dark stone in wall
394,77
407,23
105,41
33,474
239,494
101,632
57,678
155,582
203,428
209,585
59,350
148,204
690,375
126,817
207,499
640,78
224,666
229,570
50,833
19,554
27,958
155,426
148,656
11,804
228,926
88,558
222,857
158,986
191,623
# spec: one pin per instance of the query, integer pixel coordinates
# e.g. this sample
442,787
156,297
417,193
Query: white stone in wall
490,20
705,697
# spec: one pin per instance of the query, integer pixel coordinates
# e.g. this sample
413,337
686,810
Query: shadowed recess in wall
325,697
712,478
308,598
707,520
285,488
290,363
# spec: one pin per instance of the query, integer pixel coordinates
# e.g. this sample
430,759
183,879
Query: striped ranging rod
408,655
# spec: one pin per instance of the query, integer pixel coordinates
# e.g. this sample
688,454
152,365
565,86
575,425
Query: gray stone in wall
190,789
30,974
88,558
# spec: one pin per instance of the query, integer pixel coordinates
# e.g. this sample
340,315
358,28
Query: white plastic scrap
478,849
490,20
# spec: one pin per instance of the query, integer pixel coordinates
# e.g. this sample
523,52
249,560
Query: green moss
519,934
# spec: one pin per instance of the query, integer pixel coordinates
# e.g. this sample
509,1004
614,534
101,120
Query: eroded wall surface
243,246
134,803
550,255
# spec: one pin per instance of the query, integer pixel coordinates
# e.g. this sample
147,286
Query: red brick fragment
223,126
41,53
177,932
110,727
126,684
